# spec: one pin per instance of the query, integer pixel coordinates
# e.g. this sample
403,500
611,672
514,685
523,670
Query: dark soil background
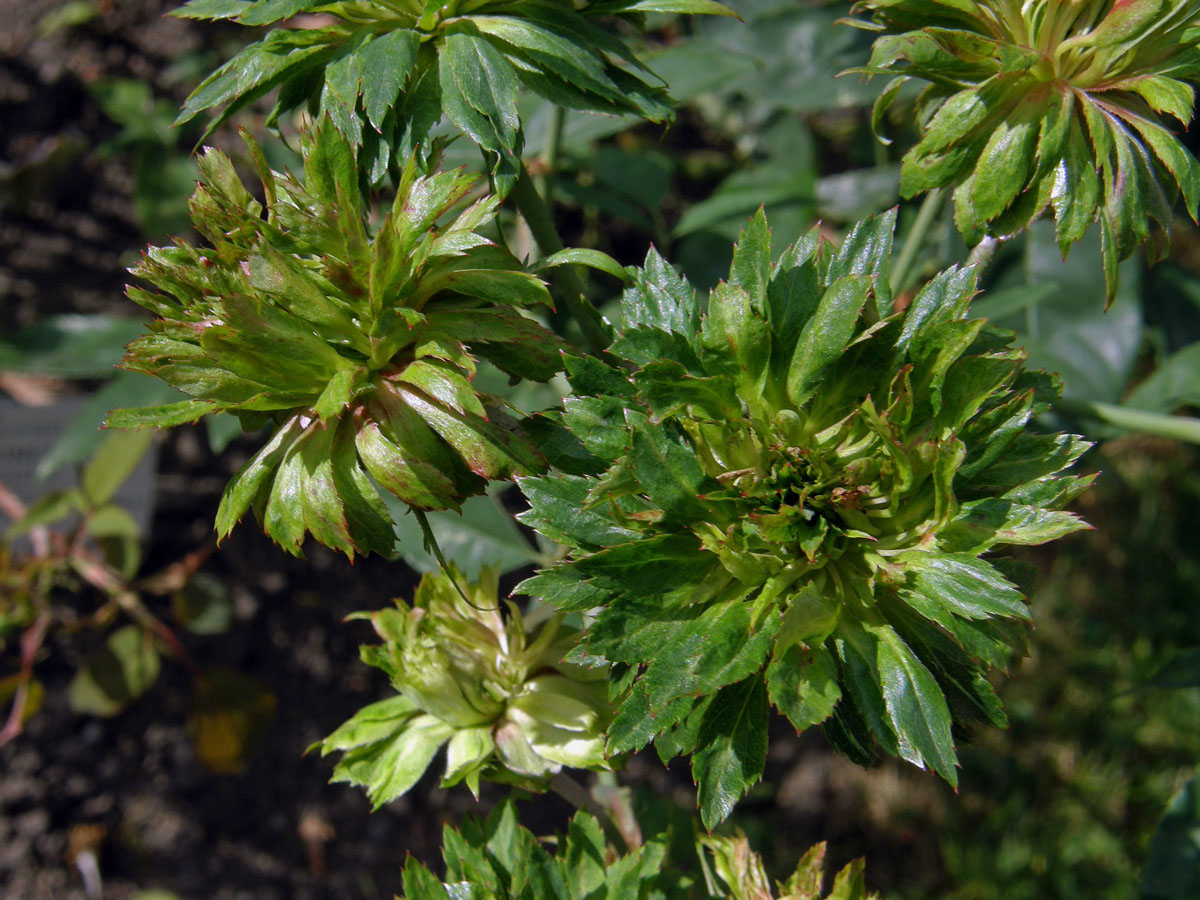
132,786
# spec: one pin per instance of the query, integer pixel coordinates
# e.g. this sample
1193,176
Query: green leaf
602,262
1165,95
479,91
555,54
373,723
204,605
719,647
115,675
401,474
1005,164
70,345
685,7
113,463
386,63
559,511
667,469
264,12
283,514
254,475
390,767
733,749
825,336
211,9
491,449
660,298
983,523
1172,870
802,683
737,338
968,586
916,706
867,250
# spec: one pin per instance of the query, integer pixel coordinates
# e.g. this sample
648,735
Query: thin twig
11,506
31,643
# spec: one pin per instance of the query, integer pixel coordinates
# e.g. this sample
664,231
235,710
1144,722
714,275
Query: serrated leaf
733,749
660,299
916,707
867,250
826,334
802,683
723,645
968,586
390,767
559,511
667,470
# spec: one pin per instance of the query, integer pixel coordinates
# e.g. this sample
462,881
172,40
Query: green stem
577,795
982,255
1180,428
926,216
570,285
549,157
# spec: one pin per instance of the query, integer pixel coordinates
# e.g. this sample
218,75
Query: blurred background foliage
1105,713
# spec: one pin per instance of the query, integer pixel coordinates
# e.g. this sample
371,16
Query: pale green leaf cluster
743,877
479,678
387,71
355,347
781,498
1045,105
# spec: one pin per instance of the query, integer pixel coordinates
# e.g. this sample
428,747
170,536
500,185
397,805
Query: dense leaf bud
784,498
488,682
1048,104
356,349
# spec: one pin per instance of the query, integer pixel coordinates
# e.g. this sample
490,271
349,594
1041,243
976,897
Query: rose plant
789,493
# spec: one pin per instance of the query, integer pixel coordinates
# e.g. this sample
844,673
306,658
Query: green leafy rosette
784,500
387,71
1048,104
489,683
356,349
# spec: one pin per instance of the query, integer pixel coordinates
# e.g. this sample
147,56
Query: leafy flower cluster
787,503
493,687
386,71
357,349
1053,104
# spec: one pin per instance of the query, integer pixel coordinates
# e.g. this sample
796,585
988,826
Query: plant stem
1180,428
31,643
926,216
570,285
549,157
577,795
983,253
